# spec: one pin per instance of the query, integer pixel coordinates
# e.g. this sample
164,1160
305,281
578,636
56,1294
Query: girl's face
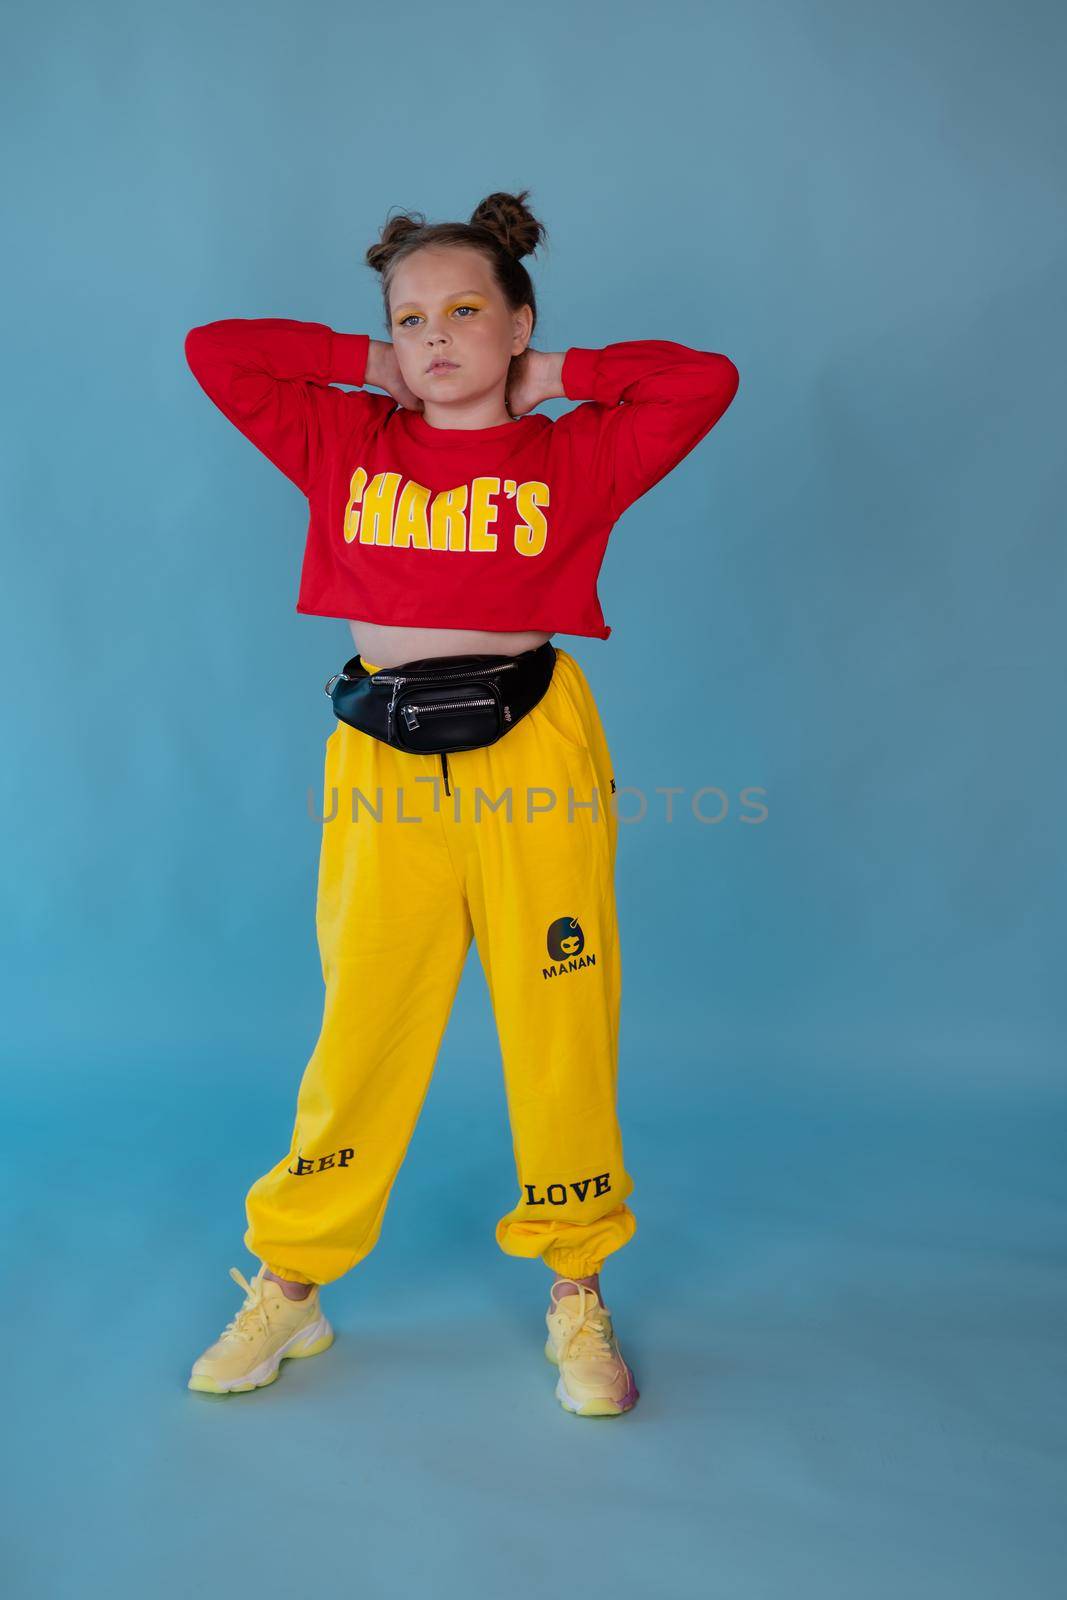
445,305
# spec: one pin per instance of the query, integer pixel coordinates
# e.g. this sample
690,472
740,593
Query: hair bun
393,235
511,223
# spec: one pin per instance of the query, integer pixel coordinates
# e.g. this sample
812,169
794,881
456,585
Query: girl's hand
383,372
534,377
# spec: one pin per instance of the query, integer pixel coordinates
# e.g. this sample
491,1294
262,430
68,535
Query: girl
468,790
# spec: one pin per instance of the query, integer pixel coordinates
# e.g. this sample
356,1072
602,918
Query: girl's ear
523,325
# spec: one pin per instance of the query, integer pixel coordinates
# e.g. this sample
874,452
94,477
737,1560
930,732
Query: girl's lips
443,366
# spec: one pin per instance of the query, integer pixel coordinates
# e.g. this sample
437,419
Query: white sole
317,1334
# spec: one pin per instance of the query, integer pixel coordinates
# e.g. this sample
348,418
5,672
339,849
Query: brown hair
501,227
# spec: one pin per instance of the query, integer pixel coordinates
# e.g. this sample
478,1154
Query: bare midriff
386,646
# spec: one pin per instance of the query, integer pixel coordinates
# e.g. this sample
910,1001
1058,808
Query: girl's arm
647,404
272,377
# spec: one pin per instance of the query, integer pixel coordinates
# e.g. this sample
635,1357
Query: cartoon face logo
565,939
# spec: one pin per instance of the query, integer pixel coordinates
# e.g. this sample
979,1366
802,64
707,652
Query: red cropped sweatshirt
499,528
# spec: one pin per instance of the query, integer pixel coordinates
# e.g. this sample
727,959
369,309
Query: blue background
842,1082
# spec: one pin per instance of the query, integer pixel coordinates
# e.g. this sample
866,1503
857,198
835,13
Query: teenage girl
449,518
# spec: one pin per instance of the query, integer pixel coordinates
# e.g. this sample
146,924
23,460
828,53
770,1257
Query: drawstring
444,769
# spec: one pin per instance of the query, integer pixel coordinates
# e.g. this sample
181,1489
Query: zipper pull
410,718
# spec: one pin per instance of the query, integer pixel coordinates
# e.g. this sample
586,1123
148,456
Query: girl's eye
412,316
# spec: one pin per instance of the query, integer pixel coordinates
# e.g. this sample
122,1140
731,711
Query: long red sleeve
649,402
271,377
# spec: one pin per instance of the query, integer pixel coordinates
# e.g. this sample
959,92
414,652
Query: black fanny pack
440,704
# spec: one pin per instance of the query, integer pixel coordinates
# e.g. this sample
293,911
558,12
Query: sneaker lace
589,1333
252,1317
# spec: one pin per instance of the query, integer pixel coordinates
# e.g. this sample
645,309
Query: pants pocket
562,710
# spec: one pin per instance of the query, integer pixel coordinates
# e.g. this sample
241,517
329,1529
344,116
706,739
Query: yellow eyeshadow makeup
475,300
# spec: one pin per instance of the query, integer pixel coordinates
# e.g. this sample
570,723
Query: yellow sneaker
594,1380
268,1328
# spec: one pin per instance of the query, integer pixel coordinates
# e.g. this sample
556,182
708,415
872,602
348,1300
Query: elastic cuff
348,358
569,1264
288,1274
578,373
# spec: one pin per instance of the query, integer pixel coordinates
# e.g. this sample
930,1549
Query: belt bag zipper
456,721
411,713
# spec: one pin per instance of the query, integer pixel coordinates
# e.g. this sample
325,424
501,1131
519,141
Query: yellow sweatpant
521,856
